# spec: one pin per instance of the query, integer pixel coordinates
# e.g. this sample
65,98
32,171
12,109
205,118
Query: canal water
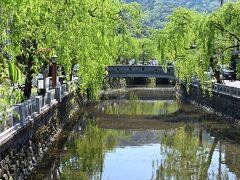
135,139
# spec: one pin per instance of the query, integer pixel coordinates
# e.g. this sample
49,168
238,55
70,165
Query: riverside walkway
235,84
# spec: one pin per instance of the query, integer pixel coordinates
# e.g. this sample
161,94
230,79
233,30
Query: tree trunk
29,77
234,59
217,74
216,71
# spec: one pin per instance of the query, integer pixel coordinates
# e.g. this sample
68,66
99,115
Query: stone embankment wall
26,147
222,100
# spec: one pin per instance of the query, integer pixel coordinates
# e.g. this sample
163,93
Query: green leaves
83,32
197,41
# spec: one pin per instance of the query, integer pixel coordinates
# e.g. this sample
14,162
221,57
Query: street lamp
54,71
54,58
40,86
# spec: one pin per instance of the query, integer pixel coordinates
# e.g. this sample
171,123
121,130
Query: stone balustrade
219,88
26,111
123,71
32,129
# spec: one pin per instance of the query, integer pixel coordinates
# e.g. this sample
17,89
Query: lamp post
40,85
54,71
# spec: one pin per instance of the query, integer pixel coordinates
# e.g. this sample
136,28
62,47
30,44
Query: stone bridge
143,71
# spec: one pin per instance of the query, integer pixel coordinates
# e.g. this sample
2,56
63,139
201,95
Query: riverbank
137,138
24,145
220,99
23,151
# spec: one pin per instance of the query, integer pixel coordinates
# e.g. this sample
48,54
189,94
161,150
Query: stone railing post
33,106
16,114
50,96
58,93
231,91
49,100
11,123
47,83
217,88
30,108
53,94
64,88
38,104
26,110
4,124
22,112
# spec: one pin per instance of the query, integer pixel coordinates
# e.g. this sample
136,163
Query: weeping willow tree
88,33
85,32
199,41
103,37
178,41
225,24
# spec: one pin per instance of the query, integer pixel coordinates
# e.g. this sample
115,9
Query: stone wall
224,104
21,153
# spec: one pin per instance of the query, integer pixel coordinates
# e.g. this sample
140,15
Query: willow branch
230,47
220,27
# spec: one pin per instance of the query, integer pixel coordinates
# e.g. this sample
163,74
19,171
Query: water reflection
141,108
110,148
85,155
185,155
135,106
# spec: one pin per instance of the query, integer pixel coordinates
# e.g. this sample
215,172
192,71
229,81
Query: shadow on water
144,139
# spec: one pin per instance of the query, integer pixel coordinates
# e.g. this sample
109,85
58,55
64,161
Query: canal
138,138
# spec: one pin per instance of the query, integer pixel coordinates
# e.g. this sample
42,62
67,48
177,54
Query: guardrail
219,88
26,111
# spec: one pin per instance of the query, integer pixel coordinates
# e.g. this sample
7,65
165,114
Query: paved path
232,83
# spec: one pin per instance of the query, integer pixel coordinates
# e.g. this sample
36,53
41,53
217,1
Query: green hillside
157,11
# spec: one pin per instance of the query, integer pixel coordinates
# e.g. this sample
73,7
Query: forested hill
158,10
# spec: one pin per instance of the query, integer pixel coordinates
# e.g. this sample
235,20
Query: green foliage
184,157
136,108
83,32
10,77
197,41
90,33
86,153
98,33
157,11
177,41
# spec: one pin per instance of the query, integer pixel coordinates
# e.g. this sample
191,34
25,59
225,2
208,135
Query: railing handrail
32,107
220,88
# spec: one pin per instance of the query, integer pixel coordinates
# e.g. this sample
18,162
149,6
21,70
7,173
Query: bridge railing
139,71
219,88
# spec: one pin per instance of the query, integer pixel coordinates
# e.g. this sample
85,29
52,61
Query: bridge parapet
140,71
